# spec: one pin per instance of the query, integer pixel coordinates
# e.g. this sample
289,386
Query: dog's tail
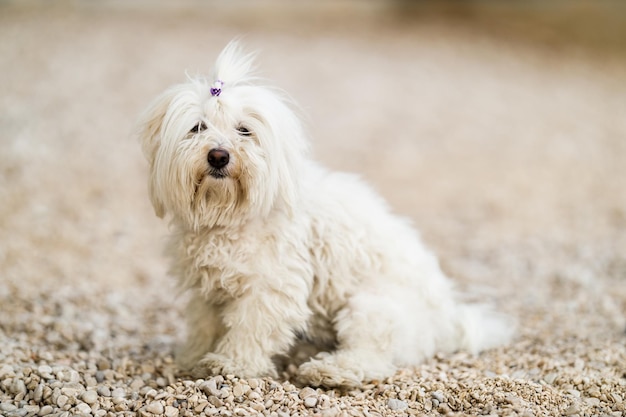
483,328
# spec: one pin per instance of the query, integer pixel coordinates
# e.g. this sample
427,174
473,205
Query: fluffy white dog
275,249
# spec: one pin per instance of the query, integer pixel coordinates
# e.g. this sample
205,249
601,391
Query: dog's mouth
215,174
218,173
201,180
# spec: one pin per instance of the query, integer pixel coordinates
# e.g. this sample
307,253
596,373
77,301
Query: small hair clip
216,90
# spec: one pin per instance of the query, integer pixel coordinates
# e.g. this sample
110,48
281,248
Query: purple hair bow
216,90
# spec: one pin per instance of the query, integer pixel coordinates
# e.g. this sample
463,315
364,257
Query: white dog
274,248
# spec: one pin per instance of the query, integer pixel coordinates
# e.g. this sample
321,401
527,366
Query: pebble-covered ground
508,156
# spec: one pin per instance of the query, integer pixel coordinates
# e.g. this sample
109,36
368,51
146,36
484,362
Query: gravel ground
509,157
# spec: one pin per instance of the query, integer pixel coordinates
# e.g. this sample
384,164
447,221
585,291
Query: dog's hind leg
366,329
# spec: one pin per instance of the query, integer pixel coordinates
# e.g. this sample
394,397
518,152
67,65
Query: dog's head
222,151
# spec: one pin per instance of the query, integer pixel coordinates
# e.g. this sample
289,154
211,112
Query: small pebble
90,397
7,407
44,371
73,391
201,406
323,401
171,411
210,387
395,404
38,393
118,393
593,402
83,408
104,391
103,364
155,407
307,392
254,396
438,395
45,410
215,401
238,390
62,400
6,371
310,402
18,387
47,392
258,407
136,384
332,412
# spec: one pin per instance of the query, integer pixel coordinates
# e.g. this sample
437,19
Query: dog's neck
230,225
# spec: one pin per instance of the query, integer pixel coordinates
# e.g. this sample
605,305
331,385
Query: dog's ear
149,131
157,203
150,124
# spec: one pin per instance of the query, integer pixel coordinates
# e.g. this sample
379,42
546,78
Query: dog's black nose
218,158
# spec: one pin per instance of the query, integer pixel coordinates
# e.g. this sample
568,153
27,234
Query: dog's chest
225,265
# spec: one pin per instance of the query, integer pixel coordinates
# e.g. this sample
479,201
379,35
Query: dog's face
222,157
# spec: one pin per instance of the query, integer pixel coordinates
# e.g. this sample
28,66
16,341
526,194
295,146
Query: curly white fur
273,248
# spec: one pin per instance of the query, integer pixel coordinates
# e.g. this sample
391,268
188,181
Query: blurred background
499,128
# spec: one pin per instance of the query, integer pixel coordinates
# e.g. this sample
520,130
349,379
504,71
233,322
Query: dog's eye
243,131
199,127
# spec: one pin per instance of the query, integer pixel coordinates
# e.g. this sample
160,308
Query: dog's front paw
216,364
213,364
324,370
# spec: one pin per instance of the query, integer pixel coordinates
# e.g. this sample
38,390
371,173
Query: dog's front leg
204,328
259,325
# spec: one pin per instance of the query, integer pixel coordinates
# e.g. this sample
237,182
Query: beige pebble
217,402
90,397
62,400
104,391
323,401
254,396
238,390
155,407
45,410
307,392
257,407
331,412
83,408
44,371
201,406
171,411
118,393
136,384
310,402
